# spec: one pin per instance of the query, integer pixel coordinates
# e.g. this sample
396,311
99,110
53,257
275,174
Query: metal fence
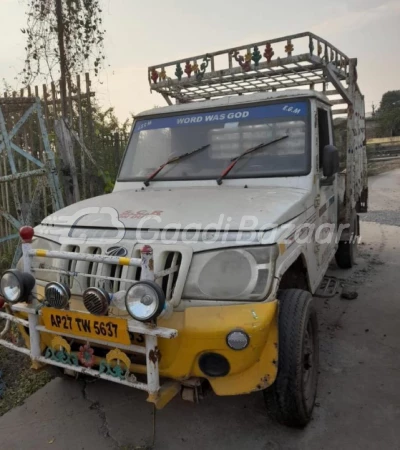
34,176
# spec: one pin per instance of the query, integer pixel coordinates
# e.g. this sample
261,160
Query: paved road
358,404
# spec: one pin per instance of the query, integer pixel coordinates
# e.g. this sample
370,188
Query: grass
20,380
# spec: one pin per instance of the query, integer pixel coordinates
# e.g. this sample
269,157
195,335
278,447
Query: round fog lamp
16,286
96,301
145,300
237,340
214,365
57,295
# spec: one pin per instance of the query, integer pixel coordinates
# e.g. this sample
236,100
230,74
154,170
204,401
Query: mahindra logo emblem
116,251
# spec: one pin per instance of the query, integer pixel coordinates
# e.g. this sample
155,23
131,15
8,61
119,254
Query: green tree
388,114
62,37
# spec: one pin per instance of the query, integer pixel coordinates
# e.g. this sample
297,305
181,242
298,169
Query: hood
212,207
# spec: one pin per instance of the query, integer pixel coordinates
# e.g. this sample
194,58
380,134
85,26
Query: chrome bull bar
159,395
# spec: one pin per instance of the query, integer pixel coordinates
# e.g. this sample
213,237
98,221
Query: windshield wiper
247,152
172,160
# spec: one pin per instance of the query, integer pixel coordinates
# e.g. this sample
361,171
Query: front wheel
290,400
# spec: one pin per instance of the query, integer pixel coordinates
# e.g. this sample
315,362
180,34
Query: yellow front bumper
204,329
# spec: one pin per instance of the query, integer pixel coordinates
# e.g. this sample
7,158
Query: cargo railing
60,354
267,65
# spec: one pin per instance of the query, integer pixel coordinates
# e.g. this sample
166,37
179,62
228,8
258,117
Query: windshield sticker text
299,109
292,109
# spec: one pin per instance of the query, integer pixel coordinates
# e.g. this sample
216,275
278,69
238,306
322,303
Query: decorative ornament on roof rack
178,71
188,68
163,74
319,49
311,45
256,56
203,67
268,52
289,47
244,61
154,75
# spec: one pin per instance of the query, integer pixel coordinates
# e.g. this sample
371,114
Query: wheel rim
309,365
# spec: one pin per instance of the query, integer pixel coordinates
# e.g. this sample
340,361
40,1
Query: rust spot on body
155,355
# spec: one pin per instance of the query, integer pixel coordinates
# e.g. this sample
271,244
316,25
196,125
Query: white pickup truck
202,264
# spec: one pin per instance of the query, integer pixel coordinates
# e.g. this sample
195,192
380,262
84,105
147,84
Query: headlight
145,301
16,286
232,274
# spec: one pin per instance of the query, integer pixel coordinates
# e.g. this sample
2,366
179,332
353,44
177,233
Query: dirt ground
358,403
17,380
378,167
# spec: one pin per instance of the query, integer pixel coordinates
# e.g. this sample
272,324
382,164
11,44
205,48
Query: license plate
109,329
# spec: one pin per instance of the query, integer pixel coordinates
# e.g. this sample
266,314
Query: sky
142,33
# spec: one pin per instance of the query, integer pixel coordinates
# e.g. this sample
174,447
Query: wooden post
117,153
7,199
89,111
68,166
90,127
70,106
63,58
83,169
53,98
45,106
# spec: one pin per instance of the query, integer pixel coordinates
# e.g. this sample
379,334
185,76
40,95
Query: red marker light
147,249
2,301
26,233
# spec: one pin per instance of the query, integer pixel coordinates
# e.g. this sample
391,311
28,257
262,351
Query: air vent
93,267
70,266
168,282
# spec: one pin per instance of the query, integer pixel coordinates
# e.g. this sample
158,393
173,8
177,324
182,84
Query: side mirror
330,160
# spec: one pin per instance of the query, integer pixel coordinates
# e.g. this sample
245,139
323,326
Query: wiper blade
247,152
172,160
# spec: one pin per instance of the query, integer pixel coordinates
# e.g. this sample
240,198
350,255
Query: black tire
290,400
345,255
346,252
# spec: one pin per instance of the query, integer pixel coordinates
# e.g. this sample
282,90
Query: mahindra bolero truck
199,269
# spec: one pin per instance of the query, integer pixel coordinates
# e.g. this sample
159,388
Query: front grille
93,268
168,282
167,264
69,265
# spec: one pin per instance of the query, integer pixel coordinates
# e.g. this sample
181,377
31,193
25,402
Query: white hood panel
180,208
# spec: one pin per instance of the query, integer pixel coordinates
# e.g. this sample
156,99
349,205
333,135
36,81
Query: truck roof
236,100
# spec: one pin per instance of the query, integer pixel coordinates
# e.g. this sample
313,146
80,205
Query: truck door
327,211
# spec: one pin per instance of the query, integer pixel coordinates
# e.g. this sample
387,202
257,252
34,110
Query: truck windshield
228,132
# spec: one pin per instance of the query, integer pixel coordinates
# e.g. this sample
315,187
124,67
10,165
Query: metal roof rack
259,67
